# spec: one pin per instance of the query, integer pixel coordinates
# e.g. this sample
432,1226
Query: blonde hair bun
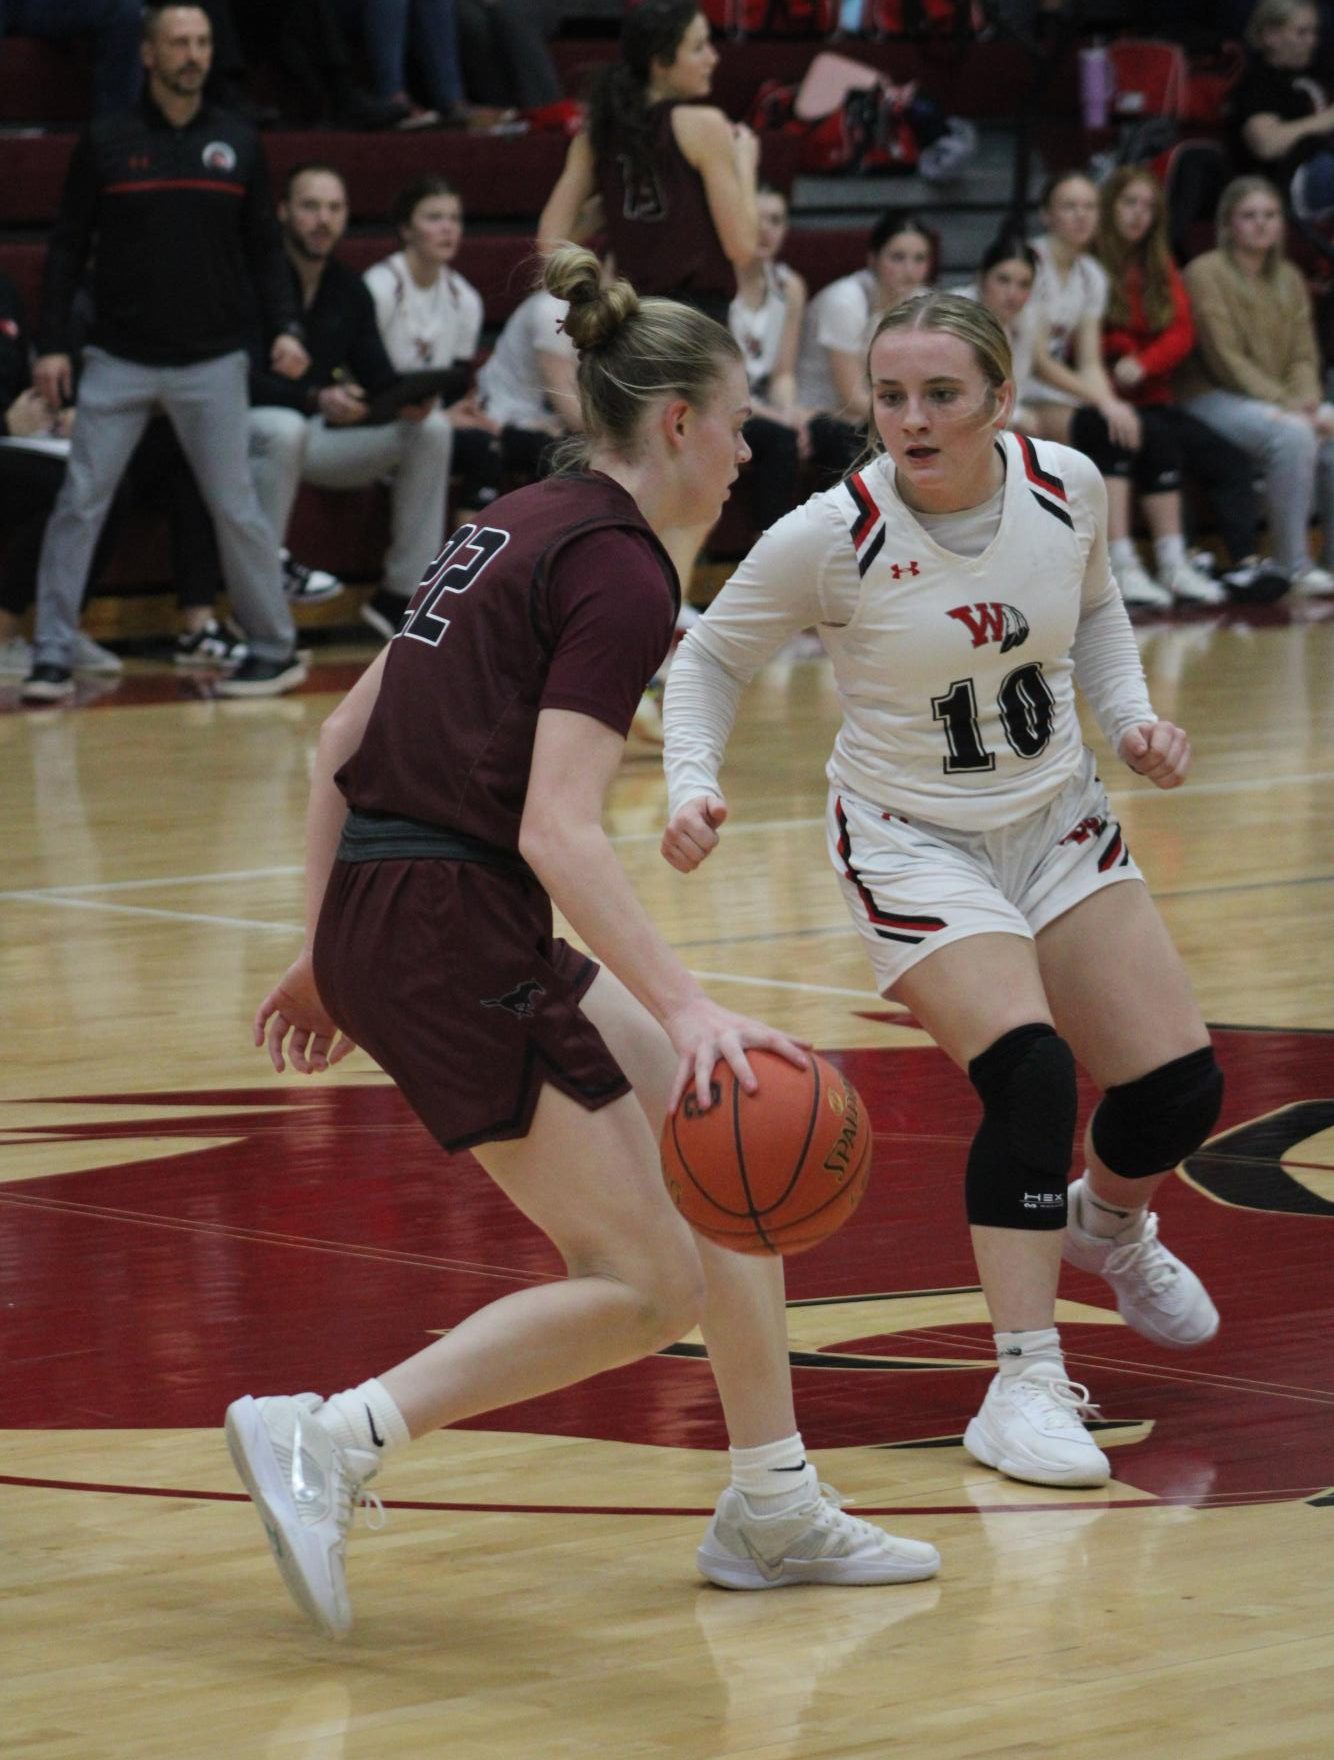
596,312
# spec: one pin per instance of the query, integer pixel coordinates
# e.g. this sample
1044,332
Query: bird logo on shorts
994,622
520,1001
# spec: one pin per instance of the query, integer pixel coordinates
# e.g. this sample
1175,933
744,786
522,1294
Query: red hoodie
1159,352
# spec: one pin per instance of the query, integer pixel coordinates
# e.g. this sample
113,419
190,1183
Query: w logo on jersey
994,622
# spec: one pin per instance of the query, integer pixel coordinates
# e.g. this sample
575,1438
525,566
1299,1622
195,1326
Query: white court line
143,910
170,880
744,829
139,910
786,984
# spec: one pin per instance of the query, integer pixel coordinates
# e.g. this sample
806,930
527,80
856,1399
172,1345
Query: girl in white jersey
765,317
960,582
430,316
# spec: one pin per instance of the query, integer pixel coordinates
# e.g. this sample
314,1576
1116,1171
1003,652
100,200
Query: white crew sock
1121,551
1169,553
774,1474
366,1418
1098,1217
1016,1352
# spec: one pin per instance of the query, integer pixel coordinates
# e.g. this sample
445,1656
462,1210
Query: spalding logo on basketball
776,1171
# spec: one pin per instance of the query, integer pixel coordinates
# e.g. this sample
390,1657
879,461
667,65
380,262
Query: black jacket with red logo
179,225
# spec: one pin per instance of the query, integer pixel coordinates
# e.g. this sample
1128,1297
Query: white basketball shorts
913,887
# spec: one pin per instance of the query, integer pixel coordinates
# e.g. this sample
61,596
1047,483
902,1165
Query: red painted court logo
258,1229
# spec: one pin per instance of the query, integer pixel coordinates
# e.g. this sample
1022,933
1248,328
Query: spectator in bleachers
505,57
34,447
313,429
112,27
1004,285
766,318
676,179
423,34
831,368
1148,331
430,316
672,179
1255,374
1281,122
528,387
306,43
1070,397
170,203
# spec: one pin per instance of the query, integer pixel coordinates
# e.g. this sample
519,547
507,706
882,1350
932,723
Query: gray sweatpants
208,407
1298,468
288,449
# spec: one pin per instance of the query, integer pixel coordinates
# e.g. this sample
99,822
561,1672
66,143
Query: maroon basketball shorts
447,973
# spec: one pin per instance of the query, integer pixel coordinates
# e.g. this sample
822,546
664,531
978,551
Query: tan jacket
1253,335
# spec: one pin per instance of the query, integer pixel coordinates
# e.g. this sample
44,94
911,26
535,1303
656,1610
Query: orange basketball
776,1171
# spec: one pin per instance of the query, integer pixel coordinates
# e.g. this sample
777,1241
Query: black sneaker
1256,581
47,684
363,111
384,612
263,678
304,585
213,646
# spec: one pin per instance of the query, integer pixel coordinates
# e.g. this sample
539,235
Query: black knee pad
1146,1126
1090,435
1019,1164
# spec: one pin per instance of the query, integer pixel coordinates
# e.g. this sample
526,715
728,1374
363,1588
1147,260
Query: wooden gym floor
179,1226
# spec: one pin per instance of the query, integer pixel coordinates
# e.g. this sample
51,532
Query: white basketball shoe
1031,1427
305,1487
1155,1293
811,1542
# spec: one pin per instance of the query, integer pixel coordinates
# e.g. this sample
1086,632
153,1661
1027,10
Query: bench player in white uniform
960,583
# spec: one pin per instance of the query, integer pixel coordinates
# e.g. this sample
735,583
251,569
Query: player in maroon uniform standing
458,790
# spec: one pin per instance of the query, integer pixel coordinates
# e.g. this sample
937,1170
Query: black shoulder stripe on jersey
866,557
1048,479
1056,512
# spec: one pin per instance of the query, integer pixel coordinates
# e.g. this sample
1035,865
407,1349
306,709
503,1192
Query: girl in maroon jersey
669,179
458,791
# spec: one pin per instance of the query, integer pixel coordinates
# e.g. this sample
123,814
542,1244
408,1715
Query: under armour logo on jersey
1086,828
520,1001
994,622
899,569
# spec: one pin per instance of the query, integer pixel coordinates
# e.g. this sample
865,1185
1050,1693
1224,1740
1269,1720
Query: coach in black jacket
171,201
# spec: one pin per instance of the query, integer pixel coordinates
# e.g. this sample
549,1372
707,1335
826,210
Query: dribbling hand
692,833
293,1007
702,1032
1158,751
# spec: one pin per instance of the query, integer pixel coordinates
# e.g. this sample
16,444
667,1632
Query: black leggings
770,479
483,462
835,448
1175,445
